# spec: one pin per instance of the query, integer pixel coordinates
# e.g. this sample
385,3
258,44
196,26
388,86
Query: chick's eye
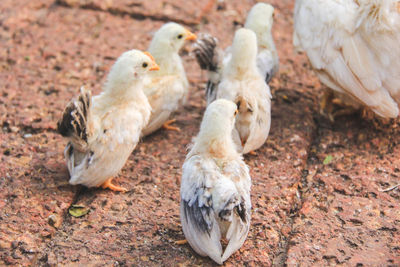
180,36
236,112
144,65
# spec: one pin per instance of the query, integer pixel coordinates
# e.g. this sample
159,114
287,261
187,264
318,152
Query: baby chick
353,46
104,129
215,189
238,79
167,89
260,20
213,59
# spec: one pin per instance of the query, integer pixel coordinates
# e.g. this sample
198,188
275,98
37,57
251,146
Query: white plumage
104,129
353,45
215,188
260,20
242,83
167,89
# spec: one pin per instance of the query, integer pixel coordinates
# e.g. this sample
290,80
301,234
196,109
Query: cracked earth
317,194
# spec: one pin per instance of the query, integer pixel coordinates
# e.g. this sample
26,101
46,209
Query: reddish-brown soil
305,212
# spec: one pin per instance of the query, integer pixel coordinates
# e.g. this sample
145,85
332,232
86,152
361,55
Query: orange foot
167,126
181,242
253,153
109,185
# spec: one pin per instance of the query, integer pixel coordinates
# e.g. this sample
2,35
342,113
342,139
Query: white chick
215,188
213,59
239,80
167,89
353,46
104,129
260,20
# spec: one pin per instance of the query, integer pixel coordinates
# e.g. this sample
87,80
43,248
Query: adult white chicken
354,47
167,89
104,129
260,20
238,79
215,188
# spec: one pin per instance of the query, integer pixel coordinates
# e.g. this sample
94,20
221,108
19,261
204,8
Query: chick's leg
108,184
326,105
334,106
167,126
252,152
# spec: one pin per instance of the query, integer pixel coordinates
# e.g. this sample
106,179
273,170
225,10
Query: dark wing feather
209,58
198,215
205,52
211,92
74,121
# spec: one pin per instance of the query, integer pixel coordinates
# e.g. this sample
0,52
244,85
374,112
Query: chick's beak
154,65
190,36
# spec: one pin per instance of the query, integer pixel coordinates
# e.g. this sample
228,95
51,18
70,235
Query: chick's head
260,18
170,37
130,67
219,119
244,51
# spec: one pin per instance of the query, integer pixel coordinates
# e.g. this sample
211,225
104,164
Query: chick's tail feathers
208,57
205,52
74,122
238,230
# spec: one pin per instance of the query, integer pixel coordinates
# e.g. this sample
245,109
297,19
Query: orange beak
154,65
190,36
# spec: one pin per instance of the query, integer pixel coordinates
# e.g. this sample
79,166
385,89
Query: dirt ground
317,186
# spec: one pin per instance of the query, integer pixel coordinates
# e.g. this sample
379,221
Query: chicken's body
260,21
236,77
353,46
103,130
115,133
253,98
166,89
215,188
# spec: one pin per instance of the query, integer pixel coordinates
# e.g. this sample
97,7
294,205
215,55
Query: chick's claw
181,242
108,184
167,126
253,153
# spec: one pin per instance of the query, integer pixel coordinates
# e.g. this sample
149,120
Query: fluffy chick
260,20
104,129
167,89
211,58
238,79
215,188
353,46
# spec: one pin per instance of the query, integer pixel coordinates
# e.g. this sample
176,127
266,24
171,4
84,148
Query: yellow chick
103,130
167,89
260,20
236,77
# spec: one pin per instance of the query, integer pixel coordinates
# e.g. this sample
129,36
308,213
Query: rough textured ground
316,191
